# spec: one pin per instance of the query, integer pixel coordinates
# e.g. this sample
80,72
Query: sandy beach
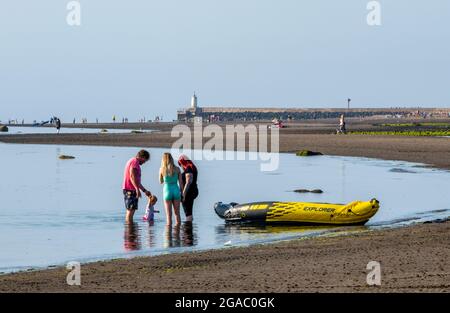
413,259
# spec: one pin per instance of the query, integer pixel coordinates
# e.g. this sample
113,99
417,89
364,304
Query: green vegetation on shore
429,133
428,124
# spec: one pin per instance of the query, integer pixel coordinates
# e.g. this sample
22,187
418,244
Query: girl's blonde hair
167,165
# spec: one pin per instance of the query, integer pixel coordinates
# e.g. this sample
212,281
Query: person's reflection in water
151,234
172,235
188,234
132,238
180,236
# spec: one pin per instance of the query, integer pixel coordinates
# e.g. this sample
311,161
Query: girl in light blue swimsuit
171,190
170,177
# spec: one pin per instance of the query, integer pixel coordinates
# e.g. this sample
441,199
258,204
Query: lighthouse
194,102
188,114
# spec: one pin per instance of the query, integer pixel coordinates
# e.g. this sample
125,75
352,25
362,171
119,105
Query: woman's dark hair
143,154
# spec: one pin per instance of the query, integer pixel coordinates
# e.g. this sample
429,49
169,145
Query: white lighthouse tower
194,102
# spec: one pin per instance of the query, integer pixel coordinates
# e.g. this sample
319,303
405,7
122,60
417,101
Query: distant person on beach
342,129
132,185
170,177
190,189
57,125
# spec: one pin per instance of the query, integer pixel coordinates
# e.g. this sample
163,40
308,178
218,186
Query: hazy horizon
146,58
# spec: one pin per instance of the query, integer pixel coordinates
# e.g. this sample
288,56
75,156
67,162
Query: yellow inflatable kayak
354,213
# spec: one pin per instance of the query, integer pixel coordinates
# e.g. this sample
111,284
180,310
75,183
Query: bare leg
168,207
176,210
129,216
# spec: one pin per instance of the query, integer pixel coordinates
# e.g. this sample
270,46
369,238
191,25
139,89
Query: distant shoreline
314,136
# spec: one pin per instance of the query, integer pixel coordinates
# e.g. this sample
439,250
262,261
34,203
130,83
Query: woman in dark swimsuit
190,189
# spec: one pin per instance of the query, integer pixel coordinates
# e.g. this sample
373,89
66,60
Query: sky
145,58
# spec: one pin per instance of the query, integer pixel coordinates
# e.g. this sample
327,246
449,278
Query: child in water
150,209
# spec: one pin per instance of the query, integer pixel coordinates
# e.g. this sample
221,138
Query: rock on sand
307,153
66,157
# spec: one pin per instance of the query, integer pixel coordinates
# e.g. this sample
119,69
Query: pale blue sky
145,57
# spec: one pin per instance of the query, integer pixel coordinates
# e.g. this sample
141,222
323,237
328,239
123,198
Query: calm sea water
14,130
54,211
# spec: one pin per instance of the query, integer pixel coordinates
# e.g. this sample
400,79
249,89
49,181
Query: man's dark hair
143,154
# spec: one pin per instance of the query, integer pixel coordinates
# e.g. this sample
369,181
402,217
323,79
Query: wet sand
413,259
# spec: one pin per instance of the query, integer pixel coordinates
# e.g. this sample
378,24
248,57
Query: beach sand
413,258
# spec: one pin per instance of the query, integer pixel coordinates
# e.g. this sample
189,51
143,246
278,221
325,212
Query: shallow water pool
54,211
16,130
